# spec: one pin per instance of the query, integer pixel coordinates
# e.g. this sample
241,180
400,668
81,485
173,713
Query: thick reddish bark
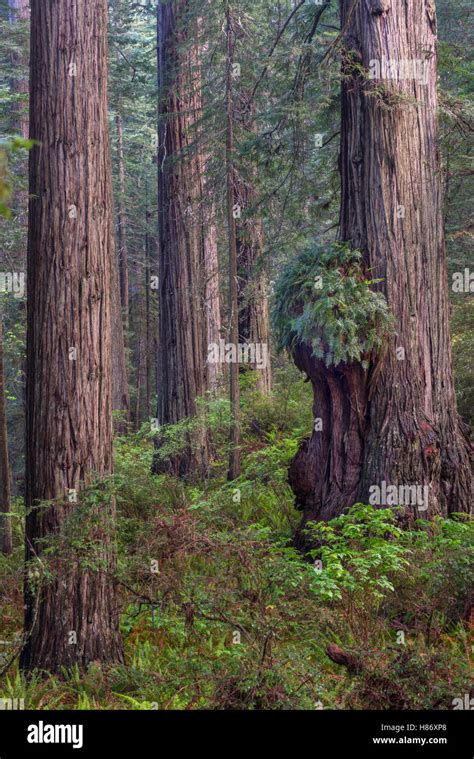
325,474
72,616
396,422
184,242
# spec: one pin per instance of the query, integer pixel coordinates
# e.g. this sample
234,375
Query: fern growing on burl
325,299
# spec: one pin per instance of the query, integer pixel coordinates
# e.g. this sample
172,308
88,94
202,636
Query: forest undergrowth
218,609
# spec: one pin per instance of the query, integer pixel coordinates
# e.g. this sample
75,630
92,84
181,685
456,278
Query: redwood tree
71,609
187,280
119,292
393,419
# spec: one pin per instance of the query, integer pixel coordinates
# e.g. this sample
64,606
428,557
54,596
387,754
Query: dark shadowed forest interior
236,336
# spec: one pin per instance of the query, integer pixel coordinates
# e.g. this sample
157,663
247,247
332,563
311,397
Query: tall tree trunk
122,227
120,301
211,258
120,295
234,458
212,294
183,327
395,422
19,11
120,391
254,324
148,341
140,350
5,495
71,617
138,385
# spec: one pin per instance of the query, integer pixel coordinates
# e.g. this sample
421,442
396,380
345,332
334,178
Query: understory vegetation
218,609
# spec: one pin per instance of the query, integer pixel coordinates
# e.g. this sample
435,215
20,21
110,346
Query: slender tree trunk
19,11
122,228
138,386
151,380
120,391
148,341
211,257
395,422
140,336
234,460
120,300
71,616
212,295
5,494
254,324
183,322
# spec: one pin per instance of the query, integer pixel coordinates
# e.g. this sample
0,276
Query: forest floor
219,611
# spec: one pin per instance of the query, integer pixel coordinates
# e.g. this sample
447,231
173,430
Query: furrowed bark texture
69,400
183,241
398,421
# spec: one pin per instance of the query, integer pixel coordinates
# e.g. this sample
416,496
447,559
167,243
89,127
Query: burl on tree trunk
396,421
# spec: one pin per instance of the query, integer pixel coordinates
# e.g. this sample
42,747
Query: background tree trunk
120,300
120,391
148,325
254,324
5,494
211,257
234,459
212,292
19,11
183,323
396,422
69,402
122,227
